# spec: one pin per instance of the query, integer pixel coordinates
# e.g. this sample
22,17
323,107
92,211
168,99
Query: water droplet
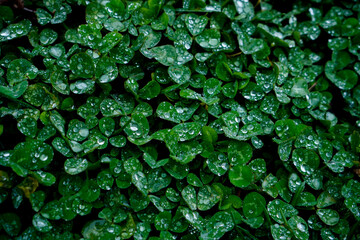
43,157
134,128
84,132
100,141
5,32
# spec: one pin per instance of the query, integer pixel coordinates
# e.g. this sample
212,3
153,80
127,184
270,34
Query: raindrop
43,157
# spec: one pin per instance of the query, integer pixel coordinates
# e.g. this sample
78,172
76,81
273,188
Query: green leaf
195,24
162,221
106,70
59,81
240,176
118,141
325,200
167,111
105,180
15,30
44,178
165,54
82,65
20,70
345,79
187,131
47,36
136,127
218,163
340,160
82,86
33,154
14,91
224,72
239,153
306,161
140,181
150,90
279,210
245,10
157,180
11,223
189,195
28,126
110,108
77,130
75,166
37,200
328,216
253,205
207,198
107,126
180,74
279,232
41,224
209,38
90,191
220,223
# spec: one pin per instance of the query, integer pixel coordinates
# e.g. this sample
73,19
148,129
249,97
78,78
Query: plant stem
352,230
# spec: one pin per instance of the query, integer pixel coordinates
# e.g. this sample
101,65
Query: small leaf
245,10
240,176
189,195
41,224
195,24
110,108
75,166
306,161
328,216
20,70
279,210
254,204
165,54
209,38
82,65
180,74
239,152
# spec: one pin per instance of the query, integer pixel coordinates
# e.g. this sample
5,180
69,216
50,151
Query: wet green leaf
165,54
253,205
11,223
82,65
240,176
41,224
20,70
195,24
279,210
306,161
15,30
75,166
106,70
33,154
239,152
209,38
107,126
328,216
179,74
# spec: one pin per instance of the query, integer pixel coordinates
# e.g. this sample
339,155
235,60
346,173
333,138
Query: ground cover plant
193,119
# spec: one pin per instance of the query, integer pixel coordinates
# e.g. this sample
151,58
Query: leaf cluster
192,119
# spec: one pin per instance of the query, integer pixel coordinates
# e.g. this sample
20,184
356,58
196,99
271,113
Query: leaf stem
312,86
18,101
352,230
234,55
246,232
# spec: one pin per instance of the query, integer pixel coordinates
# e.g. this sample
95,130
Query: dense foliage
193,119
